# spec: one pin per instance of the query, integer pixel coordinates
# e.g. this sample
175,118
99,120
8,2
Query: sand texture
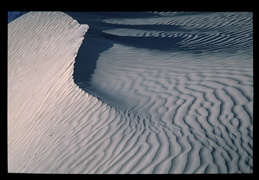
130,92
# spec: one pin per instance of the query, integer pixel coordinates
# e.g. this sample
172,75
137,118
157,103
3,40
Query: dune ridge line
185,119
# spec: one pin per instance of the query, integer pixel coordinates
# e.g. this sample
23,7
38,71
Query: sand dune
143,93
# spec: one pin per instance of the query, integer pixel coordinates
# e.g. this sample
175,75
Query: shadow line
86,59
91,48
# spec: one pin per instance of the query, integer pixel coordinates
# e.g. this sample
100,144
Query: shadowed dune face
86,60
174,93
124,53
191,72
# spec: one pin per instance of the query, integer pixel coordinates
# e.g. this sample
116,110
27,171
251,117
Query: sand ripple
171,93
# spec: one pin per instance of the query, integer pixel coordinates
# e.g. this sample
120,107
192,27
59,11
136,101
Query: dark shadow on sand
86,59
92,46
98,40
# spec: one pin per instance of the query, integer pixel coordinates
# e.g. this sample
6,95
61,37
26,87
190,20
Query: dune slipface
163,93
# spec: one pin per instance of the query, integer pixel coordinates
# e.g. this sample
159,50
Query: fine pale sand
145,111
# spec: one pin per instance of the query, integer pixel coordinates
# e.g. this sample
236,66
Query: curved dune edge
55,127
41,50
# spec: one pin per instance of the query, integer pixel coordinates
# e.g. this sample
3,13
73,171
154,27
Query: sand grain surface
156,99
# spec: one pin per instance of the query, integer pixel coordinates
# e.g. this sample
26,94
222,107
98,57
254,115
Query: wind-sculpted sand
142,93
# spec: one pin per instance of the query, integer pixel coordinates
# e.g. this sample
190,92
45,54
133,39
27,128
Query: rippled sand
142,93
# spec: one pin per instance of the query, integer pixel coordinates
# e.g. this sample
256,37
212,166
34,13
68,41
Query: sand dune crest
144,109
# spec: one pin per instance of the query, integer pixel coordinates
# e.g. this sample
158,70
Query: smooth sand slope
188,109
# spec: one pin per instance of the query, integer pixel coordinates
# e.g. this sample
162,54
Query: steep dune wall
147,111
